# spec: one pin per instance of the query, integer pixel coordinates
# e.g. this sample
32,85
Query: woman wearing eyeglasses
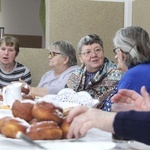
132,52
98,75
62,62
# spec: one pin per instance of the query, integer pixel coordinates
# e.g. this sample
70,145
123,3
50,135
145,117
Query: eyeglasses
114,50
89,53
53,54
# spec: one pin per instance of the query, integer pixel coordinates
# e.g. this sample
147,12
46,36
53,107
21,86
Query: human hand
25,87
82,119
141,102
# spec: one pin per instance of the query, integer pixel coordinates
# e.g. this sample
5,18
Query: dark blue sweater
133,125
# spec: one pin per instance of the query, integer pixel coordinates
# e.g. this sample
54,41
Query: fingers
144,92
122,97
146,99
77,117
125,96
76,111
22,81
79,126
118,98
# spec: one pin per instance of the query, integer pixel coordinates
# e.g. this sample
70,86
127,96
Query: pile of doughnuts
38,120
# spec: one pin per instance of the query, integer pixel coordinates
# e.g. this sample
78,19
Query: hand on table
82,118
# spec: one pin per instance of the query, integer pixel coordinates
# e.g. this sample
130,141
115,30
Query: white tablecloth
95,138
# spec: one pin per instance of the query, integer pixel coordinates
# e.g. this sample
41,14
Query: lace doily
67,95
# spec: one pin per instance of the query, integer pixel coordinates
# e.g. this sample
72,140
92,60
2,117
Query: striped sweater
19,71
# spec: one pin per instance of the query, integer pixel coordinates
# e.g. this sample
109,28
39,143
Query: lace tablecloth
70,97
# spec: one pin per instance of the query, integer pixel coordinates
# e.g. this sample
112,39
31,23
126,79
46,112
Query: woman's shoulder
73,68
20,65
139,69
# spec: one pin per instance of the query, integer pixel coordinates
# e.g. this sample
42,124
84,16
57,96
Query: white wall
20,17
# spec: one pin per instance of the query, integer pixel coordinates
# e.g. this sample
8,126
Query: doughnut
11,126
2,121
44,130
25,89
45,111
64,127
1,97
23,109
28,96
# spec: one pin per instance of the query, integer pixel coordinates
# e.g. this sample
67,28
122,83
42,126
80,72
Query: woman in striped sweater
10,70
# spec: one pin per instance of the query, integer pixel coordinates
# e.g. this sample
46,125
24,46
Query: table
93,135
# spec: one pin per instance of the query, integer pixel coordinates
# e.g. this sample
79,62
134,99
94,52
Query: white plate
98,135
68,144
80,145
3,138
139,145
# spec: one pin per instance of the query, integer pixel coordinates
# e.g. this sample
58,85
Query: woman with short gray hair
97,75
133,52
135,43
62,62
66,49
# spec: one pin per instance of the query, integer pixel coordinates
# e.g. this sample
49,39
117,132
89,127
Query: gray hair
88,40
66,48
135,43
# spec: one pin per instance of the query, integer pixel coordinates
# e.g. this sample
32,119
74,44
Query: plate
98,135
68,144
80,145
3,138
139,145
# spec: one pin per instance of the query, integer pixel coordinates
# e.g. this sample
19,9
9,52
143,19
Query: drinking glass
116,107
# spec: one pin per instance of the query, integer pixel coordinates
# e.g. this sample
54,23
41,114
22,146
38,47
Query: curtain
42,13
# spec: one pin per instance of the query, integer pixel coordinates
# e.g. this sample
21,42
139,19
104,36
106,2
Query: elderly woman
133,52
10,70
62,61
98,75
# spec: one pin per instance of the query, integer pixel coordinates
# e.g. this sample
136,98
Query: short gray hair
67,49
133,41
88,40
